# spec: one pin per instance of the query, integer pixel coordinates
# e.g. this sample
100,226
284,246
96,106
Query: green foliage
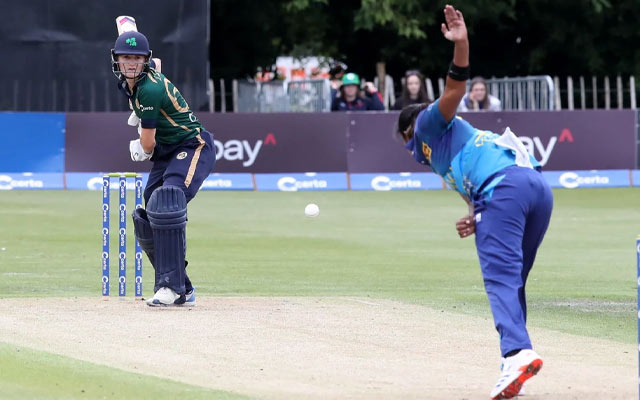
300,5
600,5
307,24
399,15
508,37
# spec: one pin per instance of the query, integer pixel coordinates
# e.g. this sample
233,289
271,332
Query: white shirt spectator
469,105
478,98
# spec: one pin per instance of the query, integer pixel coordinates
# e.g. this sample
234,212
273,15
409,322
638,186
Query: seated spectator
335,77
350,98
478,98
414,90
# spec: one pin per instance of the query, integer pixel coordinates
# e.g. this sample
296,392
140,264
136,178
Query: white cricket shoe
516,370
522,389
166,297
190,298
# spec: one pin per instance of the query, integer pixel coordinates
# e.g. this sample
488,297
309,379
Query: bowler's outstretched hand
455,28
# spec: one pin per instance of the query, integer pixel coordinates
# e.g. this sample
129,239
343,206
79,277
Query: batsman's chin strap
124,88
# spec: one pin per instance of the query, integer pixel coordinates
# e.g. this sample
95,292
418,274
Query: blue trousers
510,226
185,165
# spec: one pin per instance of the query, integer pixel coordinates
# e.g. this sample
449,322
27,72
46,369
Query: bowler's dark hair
407,118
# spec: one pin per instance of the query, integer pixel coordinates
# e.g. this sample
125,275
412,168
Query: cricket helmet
130,43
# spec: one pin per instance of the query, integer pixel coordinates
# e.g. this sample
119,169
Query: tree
508,37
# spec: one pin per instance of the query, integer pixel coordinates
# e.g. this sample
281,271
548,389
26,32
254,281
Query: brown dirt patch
314,348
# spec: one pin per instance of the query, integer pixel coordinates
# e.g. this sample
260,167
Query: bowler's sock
512,353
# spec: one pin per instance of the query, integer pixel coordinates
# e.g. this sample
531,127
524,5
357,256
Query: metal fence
309,95
388,92
312,95
527,93
97,95
596,93
260,97
518,93
530,93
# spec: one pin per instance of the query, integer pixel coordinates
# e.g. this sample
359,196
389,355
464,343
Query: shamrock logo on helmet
131,42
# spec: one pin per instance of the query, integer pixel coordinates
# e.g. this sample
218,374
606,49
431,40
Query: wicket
122,233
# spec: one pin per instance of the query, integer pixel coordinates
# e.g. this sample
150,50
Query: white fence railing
595,93
312,95
533,93
528,93
525,93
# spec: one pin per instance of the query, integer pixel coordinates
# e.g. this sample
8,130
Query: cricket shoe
522,389
190,298
516,370
166,297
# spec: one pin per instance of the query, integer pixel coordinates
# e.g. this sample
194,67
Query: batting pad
144,236
167,213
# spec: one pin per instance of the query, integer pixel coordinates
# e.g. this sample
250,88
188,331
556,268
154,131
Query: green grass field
394,245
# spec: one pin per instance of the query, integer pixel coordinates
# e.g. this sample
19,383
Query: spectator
478,98
413,91
350,99
335,77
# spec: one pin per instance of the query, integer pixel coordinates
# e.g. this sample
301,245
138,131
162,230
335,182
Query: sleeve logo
426,150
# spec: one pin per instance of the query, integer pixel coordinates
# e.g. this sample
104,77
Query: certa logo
534,145
242,150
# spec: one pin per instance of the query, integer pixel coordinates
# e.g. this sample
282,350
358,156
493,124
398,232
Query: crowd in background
348,93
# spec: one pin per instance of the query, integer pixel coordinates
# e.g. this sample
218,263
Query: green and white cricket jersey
159,104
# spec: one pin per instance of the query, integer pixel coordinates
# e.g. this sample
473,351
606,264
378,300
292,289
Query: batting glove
137,152
133,119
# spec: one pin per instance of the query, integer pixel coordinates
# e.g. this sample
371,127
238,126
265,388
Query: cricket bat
126,23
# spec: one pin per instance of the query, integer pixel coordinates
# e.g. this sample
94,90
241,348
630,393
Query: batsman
183,155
